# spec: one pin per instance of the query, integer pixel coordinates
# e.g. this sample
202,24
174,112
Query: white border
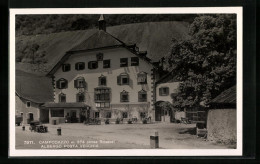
127,152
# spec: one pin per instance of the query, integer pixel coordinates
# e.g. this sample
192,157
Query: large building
102,77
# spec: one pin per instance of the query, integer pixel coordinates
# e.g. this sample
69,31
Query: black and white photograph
126,81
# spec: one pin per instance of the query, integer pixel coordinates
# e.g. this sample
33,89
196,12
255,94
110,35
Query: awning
65,105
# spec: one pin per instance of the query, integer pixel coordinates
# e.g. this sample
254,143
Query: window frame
161,93
139,76
59,85
64,67
77,66
122,63
121,77
55,113
102,77
124,93
77,83
140,98
60,97
133,63
78,97
102,95
28,102
104,65
99,56
90,66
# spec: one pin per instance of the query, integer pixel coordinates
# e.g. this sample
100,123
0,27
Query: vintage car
37,127
18,120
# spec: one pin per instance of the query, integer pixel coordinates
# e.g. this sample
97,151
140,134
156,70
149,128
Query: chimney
102,23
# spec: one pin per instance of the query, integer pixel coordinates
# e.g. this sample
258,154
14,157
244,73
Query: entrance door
96,114
158,114
73,116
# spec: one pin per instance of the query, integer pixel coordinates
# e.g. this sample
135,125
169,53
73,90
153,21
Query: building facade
103,77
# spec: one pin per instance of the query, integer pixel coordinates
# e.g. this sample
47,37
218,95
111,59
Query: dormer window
124,97
99,56
65,67
80,82
134,61
80,97
106,63
80,66
123,62
142,96
123,79
93,65
62,83
142,78
62,97
102,80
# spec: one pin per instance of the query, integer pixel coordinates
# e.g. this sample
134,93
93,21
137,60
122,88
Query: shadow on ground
191,131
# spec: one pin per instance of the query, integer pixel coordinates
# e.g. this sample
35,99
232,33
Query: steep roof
33,88
226,97
100,39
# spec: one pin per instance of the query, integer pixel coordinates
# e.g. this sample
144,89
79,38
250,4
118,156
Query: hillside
153,37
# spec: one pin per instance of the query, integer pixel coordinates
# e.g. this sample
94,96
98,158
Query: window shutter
66,84
128,79
119,80
99,81
167,91
57,84
160,91
75,83
76,66
89,65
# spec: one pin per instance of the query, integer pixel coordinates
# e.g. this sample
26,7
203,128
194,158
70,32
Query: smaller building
166,87
31,92
221,117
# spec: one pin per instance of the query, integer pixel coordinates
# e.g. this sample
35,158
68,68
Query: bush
144,121
129,121
117,120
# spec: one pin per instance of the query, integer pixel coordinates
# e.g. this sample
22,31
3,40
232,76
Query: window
124,114
62,97
108,114
164,91
80,82
102,80
28,104
134,61
65,67
96,114
80,66
22,114
57,113
102,94
102,104
124,96
106,63
123,79
142,96
100,56
92,65
80,97
123,62
62,83
142,78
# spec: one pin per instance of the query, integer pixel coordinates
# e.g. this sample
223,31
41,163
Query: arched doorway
162,111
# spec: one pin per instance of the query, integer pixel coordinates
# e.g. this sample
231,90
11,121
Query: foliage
46,24
206,62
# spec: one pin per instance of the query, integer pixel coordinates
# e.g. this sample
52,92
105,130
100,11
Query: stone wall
221,125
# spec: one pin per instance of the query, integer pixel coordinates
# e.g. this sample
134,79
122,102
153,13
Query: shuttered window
142,96
92,65
123,62
80,66
79,83
164,91
106,63
65,67
123,79
124,97
142,78
102,80
61,83
62,97
134,61
80,97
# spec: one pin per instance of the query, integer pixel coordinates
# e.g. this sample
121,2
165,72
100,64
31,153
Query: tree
206,62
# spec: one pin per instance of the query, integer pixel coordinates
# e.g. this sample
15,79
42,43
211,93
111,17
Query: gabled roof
100,39
33,88
226,97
